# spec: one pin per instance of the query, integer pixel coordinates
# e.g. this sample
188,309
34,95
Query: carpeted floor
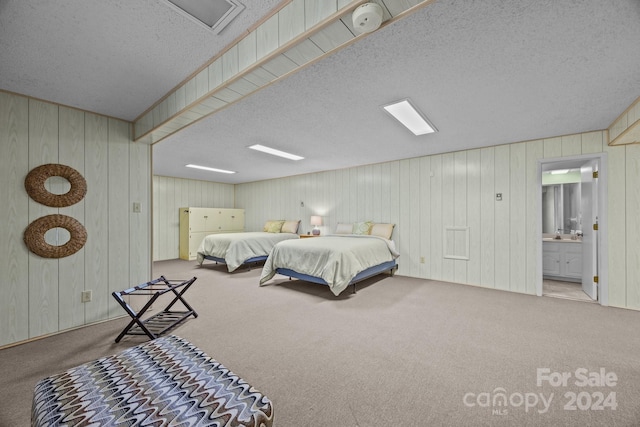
401,351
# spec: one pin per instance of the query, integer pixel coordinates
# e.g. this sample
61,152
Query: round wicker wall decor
34,236
34,184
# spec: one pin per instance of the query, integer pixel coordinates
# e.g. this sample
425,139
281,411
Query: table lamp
316,221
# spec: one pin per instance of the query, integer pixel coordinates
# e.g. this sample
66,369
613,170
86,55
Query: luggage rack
162,321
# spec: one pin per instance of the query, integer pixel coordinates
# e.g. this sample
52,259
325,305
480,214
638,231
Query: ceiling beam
626,128
297,34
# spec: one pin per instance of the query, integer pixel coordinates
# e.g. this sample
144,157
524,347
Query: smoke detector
367,17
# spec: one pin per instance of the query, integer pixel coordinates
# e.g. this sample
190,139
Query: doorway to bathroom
573,228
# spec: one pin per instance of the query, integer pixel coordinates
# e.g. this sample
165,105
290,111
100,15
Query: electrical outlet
421,260
85,296
136,207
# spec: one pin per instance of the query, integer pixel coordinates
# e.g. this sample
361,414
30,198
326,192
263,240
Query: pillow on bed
382,230
344,228
273,226
290,227
361,227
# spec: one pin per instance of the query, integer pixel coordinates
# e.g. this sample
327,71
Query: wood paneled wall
170,194
424,195
42,296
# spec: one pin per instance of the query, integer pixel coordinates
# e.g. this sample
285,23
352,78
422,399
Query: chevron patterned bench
164,382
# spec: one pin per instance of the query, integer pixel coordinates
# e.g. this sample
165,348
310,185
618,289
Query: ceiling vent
213,14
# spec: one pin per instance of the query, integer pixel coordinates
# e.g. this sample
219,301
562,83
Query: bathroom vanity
562,259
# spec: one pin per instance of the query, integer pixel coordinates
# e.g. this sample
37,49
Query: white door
589,202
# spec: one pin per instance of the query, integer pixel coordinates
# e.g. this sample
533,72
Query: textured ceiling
114,57
484,72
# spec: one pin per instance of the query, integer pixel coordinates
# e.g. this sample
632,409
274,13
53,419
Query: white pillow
344,228
290,227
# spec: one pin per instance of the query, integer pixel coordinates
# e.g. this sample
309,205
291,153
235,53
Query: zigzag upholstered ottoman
164,382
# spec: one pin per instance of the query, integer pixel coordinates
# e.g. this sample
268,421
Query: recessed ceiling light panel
206,168
275,152
213,14
405,112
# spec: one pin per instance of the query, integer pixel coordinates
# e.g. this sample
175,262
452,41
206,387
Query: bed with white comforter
235,249
335,260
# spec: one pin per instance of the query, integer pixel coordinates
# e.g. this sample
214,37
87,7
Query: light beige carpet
400,352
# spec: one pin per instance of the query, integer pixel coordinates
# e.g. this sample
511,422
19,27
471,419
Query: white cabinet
573,261
196,223
562,260
551,259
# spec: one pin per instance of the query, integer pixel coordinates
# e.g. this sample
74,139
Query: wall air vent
213,14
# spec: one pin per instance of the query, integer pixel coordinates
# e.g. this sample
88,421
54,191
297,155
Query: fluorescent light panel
275,152
410,117
209,169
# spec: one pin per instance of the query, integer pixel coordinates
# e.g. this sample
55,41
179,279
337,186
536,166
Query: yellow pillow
273,226
361,227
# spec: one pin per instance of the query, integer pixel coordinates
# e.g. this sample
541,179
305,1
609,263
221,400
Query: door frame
602,240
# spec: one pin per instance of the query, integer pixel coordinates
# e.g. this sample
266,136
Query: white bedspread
236,248
335,258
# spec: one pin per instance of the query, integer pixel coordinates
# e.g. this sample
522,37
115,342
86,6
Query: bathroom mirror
561,208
